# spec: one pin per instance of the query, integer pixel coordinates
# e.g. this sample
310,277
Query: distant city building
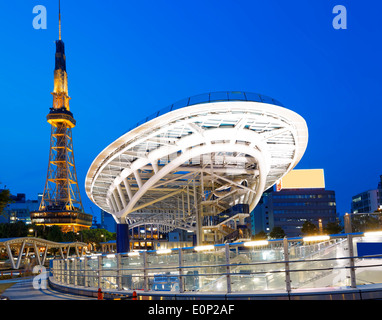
19,209
299,197
180,235
367,201
108,222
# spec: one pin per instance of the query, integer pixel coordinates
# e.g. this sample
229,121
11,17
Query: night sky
127,59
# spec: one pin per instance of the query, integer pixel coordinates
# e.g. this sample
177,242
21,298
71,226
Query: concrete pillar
123,243
352,264
286,261
347,223
228,268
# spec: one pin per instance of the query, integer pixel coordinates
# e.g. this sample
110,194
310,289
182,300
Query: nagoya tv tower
61,202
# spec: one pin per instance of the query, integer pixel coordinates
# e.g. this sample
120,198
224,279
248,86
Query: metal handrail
243,264
180,265
206,98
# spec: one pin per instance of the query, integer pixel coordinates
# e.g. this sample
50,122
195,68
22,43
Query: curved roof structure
201,155
35,243
39,242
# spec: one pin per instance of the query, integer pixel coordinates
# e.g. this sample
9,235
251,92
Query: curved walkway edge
365,292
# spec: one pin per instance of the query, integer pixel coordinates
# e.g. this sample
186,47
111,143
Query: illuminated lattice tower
61,202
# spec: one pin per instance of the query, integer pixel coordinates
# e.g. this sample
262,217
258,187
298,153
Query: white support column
62,253
20,255
37,253
155,166
67,252
128,189
27,253
113,204
10,256
117,200
121,195
44,256
138,178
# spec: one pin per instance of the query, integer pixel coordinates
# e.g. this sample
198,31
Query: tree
277,233
332,228
5,199
13,230
54,233
70,237
260,236
309,228
95,236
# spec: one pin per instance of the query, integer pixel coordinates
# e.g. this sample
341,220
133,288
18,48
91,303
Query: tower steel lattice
61,202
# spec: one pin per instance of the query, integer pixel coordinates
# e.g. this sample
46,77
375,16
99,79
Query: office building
300,196
19,209
108,222
368,201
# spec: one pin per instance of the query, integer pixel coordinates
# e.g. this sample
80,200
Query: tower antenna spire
59,20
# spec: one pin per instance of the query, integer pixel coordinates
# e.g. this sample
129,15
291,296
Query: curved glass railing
208,98
279,265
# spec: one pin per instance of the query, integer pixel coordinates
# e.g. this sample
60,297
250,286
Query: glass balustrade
234,267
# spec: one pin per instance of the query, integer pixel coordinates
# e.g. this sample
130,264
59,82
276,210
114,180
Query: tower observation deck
200,164
61,202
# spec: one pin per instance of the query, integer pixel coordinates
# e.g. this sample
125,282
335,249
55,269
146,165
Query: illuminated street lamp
31,231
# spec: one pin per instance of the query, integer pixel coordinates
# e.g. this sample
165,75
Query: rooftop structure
198,164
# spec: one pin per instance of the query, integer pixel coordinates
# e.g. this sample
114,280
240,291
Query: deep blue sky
126,59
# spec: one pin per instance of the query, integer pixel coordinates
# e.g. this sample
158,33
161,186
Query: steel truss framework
196,162
61,187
